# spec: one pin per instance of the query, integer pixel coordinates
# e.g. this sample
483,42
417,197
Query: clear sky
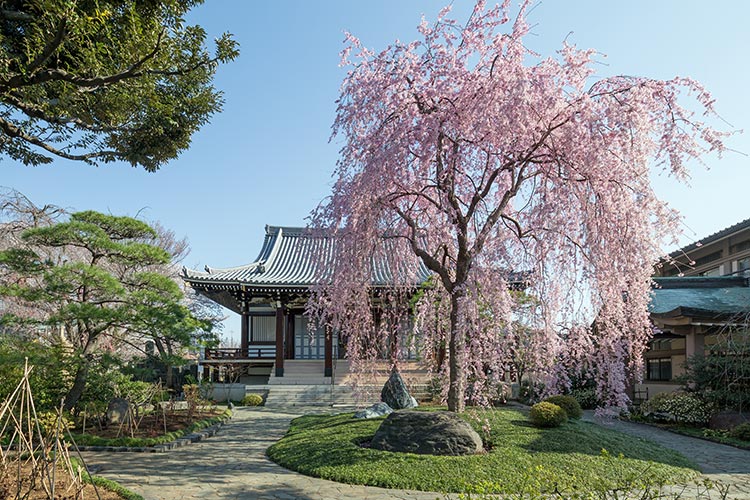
266,158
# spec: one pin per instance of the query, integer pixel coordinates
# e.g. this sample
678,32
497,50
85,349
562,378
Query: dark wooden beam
279,340
328,371
245,327
289,350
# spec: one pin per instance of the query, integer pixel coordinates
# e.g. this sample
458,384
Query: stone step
299,381
309,395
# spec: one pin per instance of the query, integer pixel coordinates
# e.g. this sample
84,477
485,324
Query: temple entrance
308,346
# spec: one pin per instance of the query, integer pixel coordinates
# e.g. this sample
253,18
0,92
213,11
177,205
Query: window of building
700,261
263,329
659,369
739,247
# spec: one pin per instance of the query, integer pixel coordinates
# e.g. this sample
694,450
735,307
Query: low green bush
567,403
252,400
546,414
530,392
742,432
586,397
680,407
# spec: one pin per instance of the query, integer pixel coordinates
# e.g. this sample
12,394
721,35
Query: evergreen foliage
103,81
97,283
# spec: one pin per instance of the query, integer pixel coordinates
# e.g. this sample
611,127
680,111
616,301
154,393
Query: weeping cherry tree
475,157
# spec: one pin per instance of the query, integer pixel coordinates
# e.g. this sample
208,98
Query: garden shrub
586,397
530,392
741,432
546,414
252,400
567,403
721,376
680,407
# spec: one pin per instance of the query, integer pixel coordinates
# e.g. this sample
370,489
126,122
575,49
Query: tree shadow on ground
587,438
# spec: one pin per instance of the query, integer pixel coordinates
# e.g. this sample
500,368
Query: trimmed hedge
547,414
567,403
252,400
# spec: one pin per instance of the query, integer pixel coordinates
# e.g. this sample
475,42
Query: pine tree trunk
456,365
79,384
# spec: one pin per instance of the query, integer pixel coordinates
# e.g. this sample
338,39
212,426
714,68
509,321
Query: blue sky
266,158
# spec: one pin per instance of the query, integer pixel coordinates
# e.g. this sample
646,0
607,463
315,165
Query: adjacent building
701,295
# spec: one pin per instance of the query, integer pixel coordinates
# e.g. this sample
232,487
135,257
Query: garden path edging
185,440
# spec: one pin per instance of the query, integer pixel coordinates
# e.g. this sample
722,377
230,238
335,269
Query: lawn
577,456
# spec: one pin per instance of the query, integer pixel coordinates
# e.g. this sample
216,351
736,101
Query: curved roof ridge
187,272
289,230
274,248
215,270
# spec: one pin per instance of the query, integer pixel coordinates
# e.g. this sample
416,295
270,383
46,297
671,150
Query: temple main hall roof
290,258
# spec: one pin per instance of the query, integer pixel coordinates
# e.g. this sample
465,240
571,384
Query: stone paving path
725,464
233,465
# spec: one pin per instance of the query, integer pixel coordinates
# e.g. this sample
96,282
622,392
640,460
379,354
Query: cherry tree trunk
456,362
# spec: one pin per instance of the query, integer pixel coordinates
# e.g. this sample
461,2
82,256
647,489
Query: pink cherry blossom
470,155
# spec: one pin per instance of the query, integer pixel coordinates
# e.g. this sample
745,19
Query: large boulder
395,394
374,411
427,433
118,411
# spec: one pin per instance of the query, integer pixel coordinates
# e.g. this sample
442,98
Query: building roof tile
288,259
711,238
700,296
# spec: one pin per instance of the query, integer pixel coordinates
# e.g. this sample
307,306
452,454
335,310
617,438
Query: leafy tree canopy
106,80
101,282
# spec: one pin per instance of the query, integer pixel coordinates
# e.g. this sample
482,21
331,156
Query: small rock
395,394
374,411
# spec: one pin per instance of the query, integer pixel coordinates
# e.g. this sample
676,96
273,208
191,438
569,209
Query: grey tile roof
287,259
700,296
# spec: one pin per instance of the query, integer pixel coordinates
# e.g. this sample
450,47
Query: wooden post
289,351
328,371
245,330
279,339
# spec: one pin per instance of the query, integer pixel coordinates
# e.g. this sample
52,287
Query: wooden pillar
328,371
289,351
245,329
694,343
279,340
